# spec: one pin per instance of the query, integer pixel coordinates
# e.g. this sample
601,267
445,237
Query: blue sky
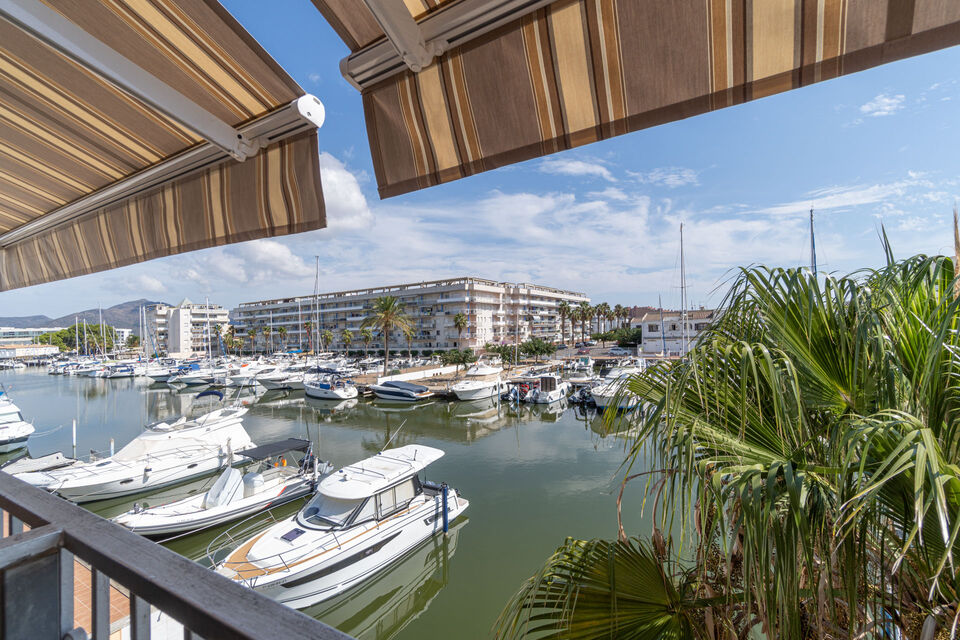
878,146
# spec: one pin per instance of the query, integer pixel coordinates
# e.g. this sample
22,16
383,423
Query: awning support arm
403,32
49,27
413,45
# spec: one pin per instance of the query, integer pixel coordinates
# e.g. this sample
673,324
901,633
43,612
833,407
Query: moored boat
166,453
14,430
234,494
401,391
363,518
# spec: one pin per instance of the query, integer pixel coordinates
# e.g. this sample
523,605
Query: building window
673,327
653,327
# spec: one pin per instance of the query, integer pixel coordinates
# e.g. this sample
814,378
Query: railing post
139,618
66,591
100,605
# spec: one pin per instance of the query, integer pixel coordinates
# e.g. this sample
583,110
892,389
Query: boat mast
299,325
316,309
209,339
813,246
103,335
86,345
683,298
663,328
76,334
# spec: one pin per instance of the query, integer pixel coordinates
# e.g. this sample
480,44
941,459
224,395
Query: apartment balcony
56,554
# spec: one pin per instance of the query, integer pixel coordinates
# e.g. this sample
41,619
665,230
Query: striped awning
517,79
100,170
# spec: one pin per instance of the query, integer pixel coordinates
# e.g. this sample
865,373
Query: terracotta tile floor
83,593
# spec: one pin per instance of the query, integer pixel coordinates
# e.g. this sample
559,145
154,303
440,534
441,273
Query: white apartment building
497,312
663,330
182,331
18,336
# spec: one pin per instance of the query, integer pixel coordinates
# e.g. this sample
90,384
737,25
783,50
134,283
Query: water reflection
536,473
382,607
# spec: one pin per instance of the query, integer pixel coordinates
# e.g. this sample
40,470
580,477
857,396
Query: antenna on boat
813,246
393,436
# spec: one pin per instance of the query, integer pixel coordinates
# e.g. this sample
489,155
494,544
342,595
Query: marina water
534,474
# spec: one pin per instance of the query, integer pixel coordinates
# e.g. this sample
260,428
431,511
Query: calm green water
533,475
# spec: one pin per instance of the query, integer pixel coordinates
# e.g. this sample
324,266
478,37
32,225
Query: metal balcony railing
37,571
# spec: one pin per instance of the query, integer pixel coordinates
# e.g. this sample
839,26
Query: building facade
184,330
10,350
16,335
496,312
663,332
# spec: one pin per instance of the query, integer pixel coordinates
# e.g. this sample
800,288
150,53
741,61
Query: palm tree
218,331
308,327
564,309
367,337
267,345
326,337
618,315
408,333
346,337
805,450
459,323
585,315
603,313
387,314
251,335
282,332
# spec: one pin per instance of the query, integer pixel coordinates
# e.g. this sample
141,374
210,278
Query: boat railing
67,572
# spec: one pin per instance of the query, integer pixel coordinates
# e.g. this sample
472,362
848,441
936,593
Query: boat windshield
326,511
10,417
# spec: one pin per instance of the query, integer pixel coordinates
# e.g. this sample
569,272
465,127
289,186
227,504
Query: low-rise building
8,351
664,334
496,312
18,335
185,329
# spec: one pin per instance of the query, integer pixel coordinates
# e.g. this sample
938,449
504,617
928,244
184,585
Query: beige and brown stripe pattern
65,133
583,70
275,193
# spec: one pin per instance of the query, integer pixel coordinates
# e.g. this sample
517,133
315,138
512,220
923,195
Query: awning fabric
577,71
276,192
66,132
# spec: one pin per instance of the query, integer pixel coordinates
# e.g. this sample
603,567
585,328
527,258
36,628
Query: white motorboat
235,495
14,430
614,390
552,388
166,453
161,374
483,369
329,388
401,391
478,389
363,518
120,371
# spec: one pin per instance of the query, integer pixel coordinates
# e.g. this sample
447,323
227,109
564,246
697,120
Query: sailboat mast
316,308
209,337
683,298
76,334
813,246
663,328
299,325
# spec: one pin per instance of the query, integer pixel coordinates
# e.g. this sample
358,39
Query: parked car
579,345
619,351
583,352
562,346
590,343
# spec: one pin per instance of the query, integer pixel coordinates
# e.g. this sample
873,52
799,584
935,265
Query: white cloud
844,197
883,105
346,205
569,167
149,284
668,177
314,78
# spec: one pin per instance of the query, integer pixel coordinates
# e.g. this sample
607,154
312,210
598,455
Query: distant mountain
123,316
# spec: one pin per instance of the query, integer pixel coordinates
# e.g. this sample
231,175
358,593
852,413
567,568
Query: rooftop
367,477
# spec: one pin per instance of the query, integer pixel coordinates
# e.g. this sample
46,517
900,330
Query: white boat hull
332,393
195,517
492,390
392,541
